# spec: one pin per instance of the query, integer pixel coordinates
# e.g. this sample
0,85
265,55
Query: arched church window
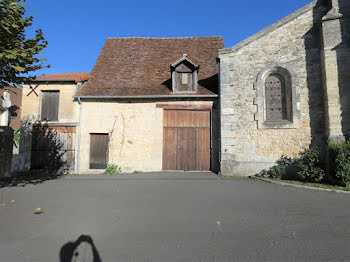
278,98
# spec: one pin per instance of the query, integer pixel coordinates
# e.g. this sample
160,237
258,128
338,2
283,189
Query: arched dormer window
278,104
278,99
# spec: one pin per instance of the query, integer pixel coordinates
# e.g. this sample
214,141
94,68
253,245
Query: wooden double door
186,140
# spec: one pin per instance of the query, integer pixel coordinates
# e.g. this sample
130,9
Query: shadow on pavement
83,249
29,178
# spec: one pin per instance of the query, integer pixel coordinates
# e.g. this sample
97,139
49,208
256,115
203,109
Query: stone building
151,105
154,104
286,88
48,103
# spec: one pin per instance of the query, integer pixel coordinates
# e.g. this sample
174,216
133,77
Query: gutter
146,96
77,166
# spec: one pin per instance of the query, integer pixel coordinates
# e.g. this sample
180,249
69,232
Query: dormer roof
185,58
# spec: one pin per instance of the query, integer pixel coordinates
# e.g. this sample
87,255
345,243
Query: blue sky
77,29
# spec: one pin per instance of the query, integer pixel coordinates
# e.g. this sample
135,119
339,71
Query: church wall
343,62
247,146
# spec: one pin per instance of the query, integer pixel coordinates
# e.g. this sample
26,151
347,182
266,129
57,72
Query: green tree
18,54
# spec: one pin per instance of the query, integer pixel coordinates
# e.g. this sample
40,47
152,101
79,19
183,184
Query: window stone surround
260,101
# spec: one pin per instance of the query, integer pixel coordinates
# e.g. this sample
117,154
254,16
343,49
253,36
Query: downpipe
77,166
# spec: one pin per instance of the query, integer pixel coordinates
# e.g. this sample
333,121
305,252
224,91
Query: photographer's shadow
83,249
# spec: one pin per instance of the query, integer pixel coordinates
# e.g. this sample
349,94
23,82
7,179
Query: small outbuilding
152,105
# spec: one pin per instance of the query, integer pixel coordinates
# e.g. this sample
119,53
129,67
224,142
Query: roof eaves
147,96
145,37
269,29
53,80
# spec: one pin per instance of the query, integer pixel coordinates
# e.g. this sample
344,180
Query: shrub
264,174
16,137
279,170
285,161
113,170
310,167
339,162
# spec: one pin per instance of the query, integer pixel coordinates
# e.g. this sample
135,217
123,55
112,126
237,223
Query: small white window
185,79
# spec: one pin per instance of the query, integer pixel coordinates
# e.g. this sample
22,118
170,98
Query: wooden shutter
98,151
49,107
184,78
182,85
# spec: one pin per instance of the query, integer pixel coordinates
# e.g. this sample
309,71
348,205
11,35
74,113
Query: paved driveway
172,217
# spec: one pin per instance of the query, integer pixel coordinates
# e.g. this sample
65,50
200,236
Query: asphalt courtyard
171,217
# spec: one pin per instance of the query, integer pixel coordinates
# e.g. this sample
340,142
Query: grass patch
325,186
234,176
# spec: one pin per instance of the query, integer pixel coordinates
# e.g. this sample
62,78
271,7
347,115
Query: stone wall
336,66
22,157
31,103
136,133
68,115
343,62
215,137
293,44
6,142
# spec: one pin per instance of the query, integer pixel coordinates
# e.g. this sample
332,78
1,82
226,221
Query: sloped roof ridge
69,73
146,37
61,74
269,29
72,76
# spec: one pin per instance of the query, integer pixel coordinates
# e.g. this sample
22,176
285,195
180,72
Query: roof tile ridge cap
65,74
181,37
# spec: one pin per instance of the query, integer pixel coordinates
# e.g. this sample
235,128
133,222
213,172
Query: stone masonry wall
68,114
293,45
135,129
343,61
21,160
67,111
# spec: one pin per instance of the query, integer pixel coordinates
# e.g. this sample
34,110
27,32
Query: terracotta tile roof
77,77
141,66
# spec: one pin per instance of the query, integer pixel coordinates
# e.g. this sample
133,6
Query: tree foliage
18,54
